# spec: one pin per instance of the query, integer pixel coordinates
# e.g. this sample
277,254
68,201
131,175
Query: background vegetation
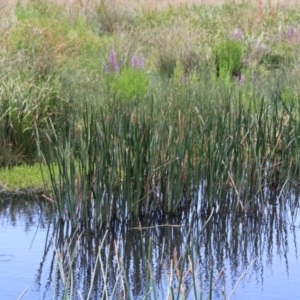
142,110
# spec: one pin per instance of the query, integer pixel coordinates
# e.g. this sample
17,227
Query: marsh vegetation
138,108
150,116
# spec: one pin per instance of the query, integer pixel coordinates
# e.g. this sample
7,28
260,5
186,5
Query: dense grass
139,107
25,177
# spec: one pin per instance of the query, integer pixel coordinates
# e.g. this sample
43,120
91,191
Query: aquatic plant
144,159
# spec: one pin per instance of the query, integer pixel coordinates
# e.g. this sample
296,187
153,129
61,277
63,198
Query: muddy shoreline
29,192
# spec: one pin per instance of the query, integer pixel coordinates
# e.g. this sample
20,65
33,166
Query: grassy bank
24,177
141,107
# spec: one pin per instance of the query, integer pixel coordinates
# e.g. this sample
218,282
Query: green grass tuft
24,178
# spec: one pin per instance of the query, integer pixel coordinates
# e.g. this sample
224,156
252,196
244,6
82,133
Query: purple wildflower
184,81
242,79
112,57
138,62
290,33
239,34
113,62
133,62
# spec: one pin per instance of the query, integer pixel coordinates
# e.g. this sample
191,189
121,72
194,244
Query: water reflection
139,259
24,221
131,260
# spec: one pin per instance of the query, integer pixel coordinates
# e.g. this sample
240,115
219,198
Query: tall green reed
119,162
137,158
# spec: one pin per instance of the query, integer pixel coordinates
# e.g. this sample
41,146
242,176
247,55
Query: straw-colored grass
164,3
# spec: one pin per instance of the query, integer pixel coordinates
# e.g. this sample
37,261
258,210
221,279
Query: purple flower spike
290,33
138,62
184,81
113,62
239,34
236,35
242,79
133,62
112,57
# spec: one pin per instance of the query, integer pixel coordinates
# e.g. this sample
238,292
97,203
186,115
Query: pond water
144,260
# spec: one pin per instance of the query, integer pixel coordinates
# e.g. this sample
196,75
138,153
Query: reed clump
140,122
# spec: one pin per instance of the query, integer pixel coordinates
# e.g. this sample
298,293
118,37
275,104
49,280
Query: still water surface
269,244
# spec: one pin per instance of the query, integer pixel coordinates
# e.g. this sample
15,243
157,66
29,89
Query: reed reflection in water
136,260
153,260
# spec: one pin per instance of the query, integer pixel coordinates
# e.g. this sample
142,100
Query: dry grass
157,4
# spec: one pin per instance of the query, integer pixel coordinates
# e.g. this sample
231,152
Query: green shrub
130,84
229,58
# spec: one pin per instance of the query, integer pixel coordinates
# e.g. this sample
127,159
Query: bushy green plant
229,58
130,84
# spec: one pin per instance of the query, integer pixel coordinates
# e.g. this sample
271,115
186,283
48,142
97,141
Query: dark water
156,257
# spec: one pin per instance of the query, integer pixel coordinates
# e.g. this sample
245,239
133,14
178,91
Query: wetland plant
135,139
